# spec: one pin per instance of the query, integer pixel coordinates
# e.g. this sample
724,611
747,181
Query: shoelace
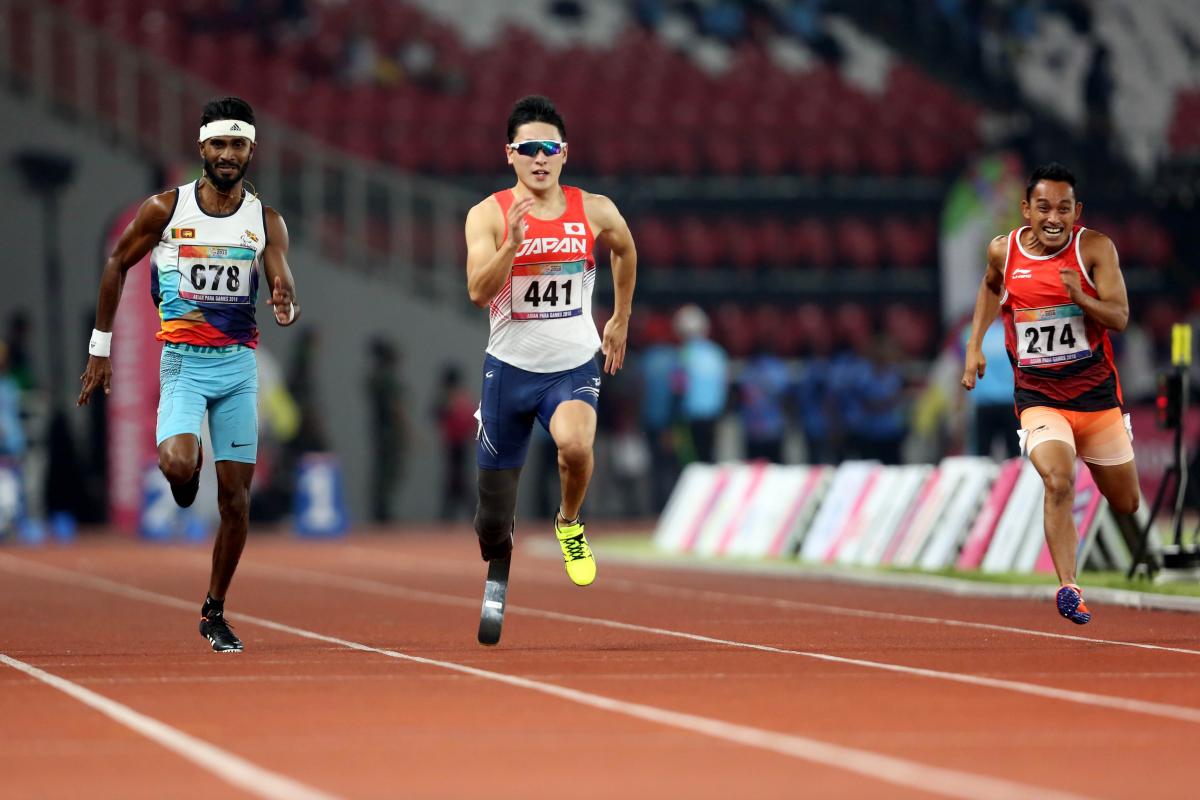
218,625
576,547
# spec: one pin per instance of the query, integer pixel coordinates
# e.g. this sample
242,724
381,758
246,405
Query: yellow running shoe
577,556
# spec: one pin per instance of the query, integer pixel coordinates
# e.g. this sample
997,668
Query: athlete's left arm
613,233
1099,255
279,276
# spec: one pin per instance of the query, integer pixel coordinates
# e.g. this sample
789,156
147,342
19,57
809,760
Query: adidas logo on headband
227,127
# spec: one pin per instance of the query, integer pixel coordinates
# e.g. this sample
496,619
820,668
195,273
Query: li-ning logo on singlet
552,244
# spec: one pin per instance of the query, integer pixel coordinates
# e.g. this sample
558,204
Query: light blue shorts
220,380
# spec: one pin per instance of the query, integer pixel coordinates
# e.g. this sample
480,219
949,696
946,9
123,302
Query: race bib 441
215,274
1050,336
547,291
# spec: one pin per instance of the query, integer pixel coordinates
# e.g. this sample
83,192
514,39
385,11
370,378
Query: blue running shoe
1071,606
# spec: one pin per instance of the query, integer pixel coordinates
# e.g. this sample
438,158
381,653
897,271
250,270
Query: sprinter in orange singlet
1059,289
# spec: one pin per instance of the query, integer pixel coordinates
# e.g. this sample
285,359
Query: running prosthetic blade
491,617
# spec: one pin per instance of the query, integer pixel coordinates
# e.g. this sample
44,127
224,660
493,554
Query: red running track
362,678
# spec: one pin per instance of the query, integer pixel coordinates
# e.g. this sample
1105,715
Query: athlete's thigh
1041,425
1055,461
233,477
506,412
582,385
233,412
1118,483
573,422
181,399
1105,438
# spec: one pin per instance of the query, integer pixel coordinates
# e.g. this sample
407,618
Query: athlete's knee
494,514
1060,487
234,503
574,453
1125,501
177,468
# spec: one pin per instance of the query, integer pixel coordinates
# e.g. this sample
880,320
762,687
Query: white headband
227,127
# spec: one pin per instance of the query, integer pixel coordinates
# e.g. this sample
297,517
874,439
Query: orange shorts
1098,437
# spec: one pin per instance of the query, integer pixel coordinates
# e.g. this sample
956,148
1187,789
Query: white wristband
101,343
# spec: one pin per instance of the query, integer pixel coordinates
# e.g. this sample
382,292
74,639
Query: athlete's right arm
489,264
138,239
987,305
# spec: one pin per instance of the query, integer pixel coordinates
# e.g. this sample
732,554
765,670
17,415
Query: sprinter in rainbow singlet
531,262
206,241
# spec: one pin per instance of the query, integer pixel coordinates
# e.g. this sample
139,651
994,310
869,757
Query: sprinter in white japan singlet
542,320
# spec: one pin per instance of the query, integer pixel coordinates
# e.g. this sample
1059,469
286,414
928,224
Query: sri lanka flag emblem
183,233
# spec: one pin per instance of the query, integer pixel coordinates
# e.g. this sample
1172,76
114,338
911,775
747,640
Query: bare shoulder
1093,243
598,202
601,210
276,227
998,250
486,213
158,208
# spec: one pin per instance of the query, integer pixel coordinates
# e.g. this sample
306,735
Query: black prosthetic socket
494,520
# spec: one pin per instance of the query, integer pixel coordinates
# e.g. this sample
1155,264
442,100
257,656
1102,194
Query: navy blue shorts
513,398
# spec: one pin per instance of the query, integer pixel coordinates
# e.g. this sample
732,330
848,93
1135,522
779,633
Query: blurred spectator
389,428
660,376
764,384
12,432
814,399
278,422
805,19
1098,89
867,389
990,405
454,413
302,385
19,366
705,380
362,62
724,20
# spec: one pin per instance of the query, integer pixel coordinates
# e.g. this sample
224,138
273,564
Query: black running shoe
185,494
219,633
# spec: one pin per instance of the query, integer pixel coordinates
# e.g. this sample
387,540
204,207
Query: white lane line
362,554
1164,710
222,764
876,766
726,597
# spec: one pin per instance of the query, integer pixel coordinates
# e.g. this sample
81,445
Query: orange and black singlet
1061,357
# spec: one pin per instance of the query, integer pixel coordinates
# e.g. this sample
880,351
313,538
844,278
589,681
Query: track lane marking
222,764
876,766
1151,708
364,554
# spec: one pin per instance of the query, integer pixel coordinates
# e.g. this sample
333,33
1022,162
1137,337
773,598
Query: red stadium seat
812,243
743,247
910,329
858,243
656,243
773,236
734,330
700,244
907,244
814,327
853,326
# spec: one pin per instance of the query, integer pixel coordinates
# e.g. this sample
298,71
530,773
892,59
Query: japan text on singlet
541,321
204,272
1061,357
